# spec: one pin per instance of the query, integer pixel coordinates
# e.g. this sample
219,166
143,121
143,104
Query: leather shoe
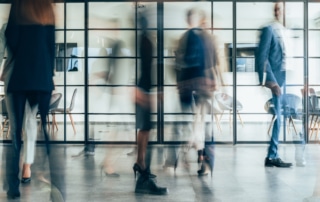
13,195
277,162
147,185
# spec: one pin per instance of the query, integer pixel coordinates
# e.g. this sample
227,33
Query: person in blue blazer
271,64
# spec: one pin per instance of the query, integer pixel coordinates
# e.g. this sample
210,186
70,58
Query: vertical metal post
86,89
306,71
160,77
234,68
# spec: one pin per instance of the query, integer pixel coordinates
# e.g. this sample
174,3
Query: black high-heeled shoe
25,180
136,168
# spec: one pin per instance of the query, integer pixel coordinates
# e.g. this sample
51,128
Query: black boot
147,185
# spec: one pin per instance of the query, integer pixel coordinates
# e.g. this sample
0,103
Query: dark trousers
42,99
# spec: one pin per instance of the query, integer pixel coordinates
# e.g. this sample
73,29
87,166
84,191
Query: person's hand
141,98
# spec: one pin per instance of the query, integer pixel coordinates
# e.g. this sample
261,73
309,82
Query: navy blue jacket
33,51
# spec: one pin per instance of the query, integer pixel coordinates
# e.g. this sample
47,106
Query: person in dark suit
30,37
271,64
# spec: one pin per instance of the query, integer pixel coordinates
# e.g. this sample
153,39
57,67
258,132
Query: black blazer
32,48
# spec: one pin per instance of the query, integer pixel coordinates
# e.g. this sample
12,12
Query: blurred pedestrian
30,37
146,182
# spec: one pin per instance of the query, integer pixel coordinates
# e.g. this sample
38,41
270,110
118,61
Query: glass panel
314,40
76,105
150,10
295,43
248,37
76,133
112,127
222,15
111,15
221,114
170,44
295,71
170,72
256,128
111,100
252,98
314,15
75,75
111,71
178,127
172,101
175,13
259,14
75,15
108,40
59,15
294,14
57,132
314,71
224,40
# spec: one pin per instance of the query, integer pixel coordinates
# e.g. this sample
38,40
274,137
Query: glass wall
98,65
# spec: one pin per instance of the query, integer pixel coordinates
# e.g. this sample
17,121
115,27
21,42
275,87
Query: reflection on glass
102,15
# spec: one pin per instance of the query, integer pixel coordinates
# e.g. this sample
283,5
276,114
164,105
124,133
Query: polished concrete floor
239,175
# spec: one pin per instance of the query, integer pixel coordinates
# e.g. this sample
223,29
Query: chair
54,103
313,110
67,110
291,108
225,102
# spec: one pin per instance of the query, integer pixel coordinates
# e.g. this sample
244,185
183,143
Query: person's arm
12,31
262,56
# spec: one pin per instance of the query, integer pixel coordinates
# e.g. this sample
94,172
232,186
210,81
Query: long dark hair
34,12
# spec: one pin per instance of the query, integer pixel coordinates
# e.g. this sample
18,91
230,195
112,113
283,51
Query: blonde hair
34,12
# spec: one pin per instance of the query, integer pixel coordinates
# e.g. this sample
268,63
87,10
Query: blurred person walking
197,78
30,38
271,64
30,122
146,182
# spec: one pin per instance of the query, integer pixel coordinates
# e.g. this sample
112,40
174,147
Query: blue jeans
273,147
